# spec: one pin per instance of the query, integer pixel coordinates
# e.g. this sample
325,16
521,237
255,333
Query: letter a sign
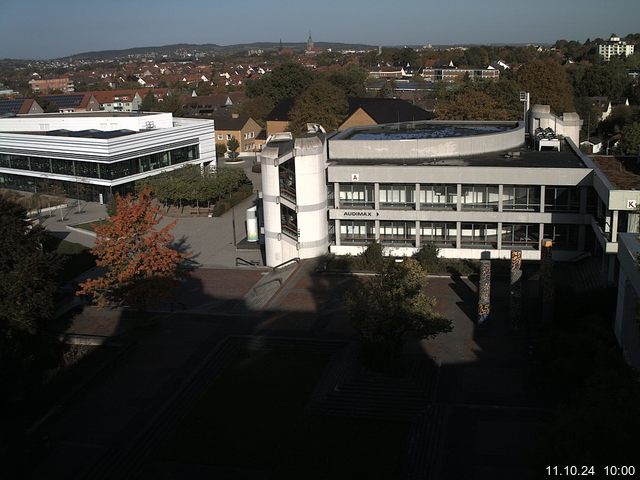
355,177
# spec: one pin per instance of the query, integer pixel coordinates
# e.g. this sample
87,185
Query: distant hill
209,48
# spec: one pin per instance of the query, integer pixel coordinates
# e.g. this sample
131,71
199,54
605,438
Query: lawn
76,258
252,417
90,226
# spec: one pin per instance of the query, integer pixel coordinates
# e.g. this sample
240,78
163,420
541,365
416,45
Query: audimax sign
361,214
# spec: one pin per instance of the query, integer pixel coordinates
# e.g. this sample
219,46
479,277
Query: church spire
309,42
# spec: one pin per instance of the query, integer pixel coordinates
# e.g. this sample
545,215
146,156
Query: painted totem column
546,279
515,290
484,291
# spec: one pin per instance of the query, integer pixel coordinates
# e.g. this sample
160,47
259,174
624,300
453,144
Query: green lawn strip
90,226
76,258
252,417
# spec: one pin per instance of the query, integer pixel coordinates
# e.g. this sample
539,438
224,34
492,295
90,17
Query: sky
43,29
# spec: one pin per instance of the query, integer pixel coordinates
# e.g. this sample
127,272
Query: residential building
376,111
98,153
212,105
71,102
19,106
614,48
362,111
242,128
118,100
450,73
44,86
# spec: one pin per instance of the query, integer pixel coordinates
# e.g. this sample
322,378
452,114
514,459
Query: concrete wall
84,121
568,125
425,148
626,326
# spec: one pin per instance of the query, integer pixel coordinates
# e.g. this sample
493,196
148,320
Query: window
397,196
521,236
523,198
479,235
480,197
443,197
229,136
220,137
440,234
562,199
356,195
398,233
40,164
357,233
289,222
287,178
564,237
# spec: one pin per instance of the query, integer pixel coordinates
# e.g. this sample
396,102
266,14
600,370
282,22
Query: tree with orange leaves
140,265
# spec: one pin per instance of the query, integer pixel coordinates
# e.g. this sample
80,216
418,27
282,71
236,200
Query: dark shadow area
206,387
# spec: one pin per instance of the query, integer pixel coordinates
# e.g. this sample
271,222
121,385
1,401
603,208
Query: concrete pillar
614,226
376,195
337,231
546,280
458,234
336,195
377,227
611,270
582,237
515,290
620,304
583,200
418,245
500,199
540,236
459,198
417,197
499,236
542,198
484,291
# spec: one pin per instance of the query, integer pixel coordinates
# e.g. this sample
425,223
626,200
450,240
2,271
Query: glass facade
521,197
480,197
357,233
440,234
565,237
562,199
479,235
443,197
397,196
357,195
103,171
287,179
521,236
398,233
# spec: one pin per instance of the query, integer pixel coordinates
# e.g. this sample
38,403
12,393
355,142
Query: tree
149,103
387,307
351,79
232,146
321,103
630,141
257,108
548,84
141,267
287,80
221,149
26,272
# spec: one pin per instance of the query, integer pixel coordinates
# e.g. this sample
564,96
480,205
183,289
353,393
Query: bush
372,258
427,257
221,207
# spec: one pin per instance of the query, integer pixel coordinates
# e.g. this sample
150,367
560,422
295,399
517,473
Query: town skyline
88,26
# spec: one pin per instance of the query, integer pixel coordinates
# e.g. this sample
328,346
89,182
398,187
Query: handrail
261,286
242,261
284,264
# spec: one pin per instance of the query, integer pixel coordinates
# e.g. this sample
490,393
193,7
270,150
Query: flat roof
521,157
409,131
88,114
90,133
622,172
